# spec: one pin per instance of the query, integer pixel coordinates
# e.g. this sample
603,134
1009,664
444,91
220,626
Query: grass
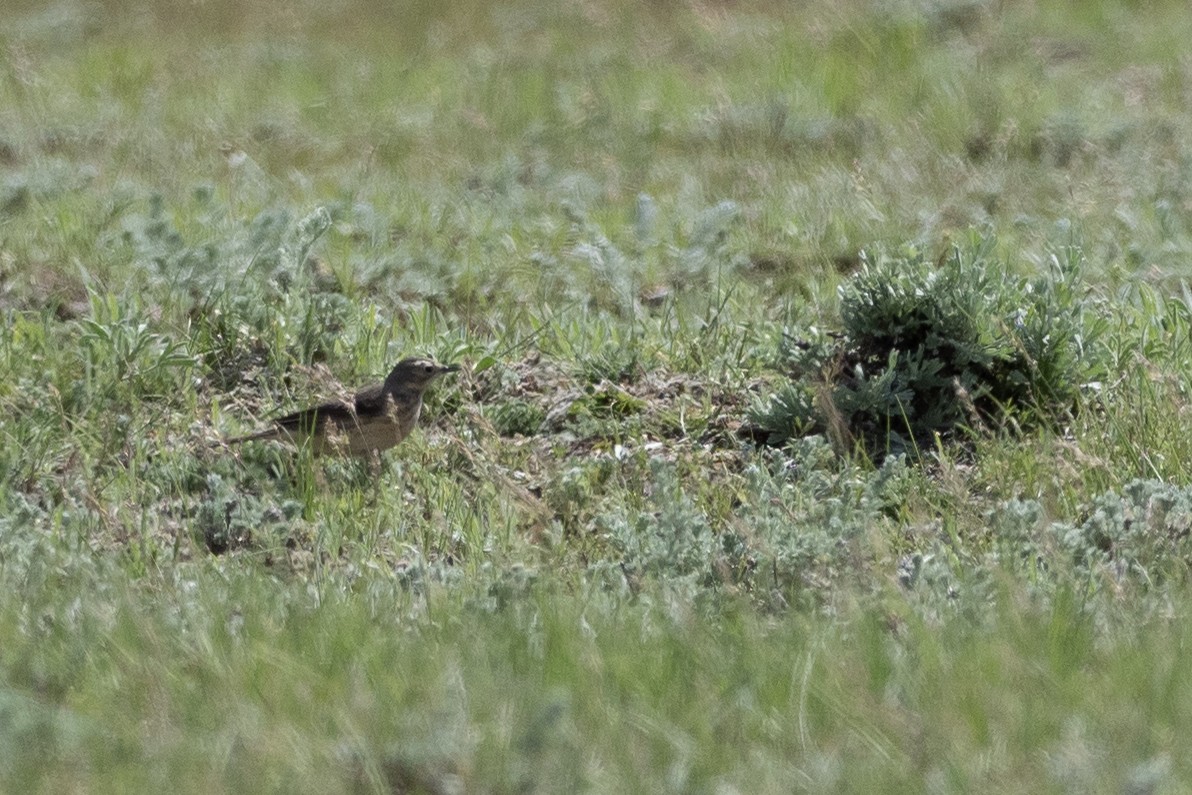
588,570
522,687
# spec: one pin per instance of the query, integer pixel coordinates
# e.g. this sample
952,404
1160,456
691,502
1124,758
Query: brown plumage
376,418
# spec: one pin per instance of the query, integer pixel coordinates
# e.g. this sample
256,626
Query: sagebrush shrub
927,349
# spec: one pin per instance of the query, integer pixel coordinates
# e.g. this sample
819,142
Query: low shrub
929,349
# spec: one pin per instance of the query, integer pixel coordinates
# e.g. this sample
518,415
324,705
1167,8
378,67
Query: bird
376,418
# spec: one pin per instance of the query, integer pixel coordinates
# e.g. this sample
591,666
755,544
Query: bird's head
416,373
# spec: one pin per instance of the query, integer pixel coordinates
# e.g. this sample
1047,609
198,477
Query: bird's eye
430,368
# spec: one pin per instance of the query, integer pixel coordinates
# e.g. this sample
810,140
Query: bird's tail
266,435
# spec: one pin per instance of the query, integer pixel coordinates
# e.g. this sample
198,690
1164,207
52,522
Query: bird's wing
371,402
368,402
335,411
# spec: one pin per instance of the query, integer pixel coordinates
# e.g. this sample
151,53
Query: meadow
822,427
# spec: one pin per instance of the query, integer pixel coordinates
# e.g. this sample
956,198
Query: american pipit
376,418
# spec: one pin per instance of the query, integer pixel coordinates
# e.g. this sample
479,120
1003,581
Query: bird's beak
448,368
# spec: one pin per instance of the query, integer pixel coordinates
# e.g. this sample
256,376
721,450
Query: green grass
633,224
235,684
